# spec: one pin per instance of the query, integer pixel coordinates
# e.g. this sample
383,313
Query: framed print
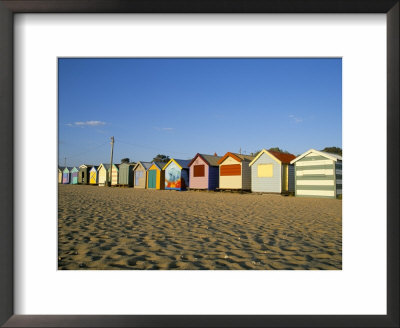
48,280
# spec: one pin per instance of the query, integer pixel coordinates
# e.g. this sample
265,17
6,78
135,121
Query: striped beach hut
60,174
204,171
140,174
83,175
176,174
103,172
234,171
115,174
93,175
318,174
155,176
66,175
126,174
74,175
271,171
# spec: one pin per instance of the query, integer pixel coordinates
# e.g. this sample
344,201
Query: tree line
165,158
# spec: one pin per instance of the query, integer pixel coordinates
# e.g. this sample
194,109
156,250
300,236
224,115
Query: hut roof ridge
210,159
334,157
182,163
283,157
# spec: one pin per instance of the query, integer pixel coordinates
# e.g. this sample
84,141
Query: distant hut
93,175
83,175
126,174
176,174
234,171
115,175
318,174
271,171
203,172
60,174
74,175
67,175
103,171
140,174
155,176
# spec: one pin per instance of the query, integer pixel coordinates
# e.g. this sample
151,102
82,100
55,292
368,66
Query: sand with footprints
102,228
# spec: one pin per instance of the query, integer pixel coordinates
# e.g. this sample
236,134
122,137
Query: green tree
277,149
161,158
333,150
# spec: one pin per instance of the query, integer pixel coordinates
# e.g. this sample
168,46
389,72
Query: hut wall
84,174
315,176
159,183
126,175
338,172
291,177
184,178
74,176
161,179
285,177
199,166
93,176
213,177
246,175
152,181
103,176
139,178
66,177
81,176
114,177
230,175
59,176
173,177
266,175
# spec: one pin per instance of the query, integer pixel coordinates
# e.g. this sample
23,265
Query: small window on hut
265,170
198,171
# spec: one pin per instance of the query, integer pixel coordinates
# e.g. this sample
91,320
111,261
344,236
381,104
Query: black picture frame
7,10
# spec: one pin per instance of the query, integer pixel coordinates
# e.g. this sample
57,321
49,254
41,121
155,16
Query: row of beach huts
312,174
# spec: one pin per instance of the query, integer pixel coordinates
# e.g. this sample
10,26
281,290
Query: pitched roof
146,165
331,154
86,165
160,165
333,157
68,167
238,157
106,166
245,157
129,164
282,158
211,160
182,163
285,158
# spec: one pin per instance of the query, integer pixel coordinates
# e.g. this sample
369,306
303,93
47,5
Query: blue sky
180,107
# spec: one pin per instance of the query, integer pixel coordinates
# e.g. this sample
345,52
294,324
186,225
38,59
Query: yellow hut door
93,177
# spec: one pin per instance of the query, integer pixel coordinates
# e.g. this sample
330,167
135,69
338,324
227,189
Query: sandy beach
125,228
